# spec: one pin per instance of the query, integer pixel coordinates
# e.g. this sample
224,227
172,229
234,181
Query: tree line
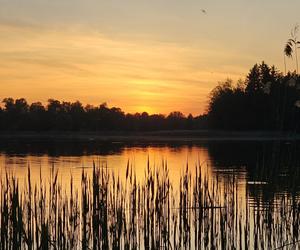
18,115
265,100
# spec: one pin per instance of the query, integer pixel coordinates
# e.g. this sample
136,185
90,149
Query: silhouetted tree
176,120
253,83
265,101
38,118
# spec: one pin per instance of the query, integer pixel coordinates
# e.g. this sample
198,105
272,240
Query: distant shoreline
188,136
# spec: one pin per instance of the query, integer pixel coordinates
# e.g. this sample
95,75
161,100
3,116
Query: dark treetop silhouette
266,100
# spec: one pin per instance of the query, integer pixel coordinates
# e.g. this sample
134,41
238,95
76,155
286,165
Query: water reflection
242,195
265,169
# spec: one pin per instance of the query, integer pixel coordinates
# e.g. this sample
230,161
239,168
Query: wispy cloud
94,68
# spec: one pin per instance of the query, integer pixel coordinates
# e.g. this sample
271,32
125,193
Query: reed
110,213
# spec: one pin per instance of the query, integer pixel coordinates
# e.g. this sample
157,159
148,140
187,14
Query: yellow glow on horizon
147,109
135,75
165,55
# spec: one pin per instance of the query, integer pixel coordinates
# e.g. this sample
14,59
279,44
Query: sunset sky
140,55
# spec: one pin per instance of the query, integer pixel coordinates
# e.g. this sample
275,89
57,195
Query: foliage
18,115
267,100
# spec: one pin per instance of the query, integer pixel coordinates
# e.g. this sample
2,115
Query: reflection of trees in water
229,154
279,171
275,163
80,148
272,167
57,148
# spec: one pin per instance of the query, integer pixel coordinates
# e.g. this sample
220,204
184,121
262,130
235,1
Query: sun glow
130,62
146,109
94,69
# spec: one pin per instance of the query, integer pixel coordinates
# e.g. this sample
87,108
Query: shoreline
183,136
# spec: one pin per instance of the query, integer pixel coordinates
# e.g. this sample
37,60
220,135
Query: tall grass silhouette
111,213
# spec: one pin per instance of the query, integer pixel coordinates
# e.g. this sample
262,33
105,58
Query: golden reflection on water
233,180
137,157
176,158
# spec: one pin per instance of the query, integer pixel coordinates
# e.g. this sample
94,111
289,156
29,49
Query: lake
242,194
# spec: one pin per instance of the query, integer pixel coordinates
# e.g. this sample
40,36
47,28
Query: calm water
263,176
252,163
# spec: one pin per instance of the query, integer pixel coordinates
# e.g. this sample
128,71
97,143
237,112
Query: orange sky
140,56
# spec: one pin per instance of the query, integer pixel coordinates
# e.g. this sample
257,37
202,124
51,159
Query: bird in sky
203,11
